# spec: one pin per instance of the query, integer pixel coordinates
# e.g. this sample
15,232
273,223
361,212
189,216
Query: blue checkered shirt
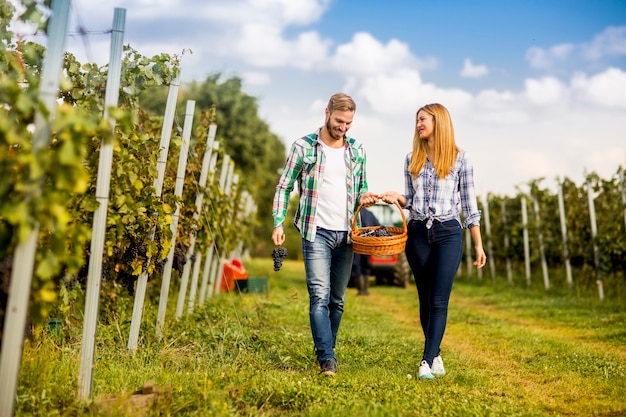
431,198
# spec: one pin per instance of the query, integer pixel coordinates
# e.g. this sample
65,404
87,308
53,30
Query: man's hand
278,236
368,199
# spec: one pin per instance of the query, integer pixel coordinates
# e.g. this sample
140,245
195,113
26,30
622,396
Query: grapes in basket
378,232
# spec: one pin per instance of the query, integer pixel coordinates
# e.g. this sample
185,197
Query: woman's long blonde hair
446,150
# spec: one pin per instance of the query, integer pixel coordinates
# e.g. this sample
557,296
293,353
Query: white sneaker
437,368
424,371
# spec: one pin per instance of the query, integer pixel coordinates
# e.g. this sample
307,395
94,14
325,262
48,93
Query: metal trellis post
178,192
94,277
566,260
24,256
594,238
526,241
491,259
542,252
206,160
164,146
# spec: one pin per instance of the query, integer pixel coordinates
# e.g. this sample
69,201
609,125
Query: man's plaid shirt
305,166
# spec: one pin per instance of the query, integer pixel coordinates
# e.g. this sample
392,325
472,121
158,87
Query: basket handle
356,215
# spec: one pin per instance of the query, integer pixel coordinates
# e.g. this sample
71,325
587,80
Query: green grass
507,351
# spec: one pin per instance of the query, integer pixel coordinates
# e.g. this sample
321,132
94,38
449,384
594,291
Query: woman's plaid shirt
432,198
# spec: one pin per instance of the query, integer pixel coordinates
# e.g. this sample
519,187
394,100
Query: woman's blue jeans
434,256
327,263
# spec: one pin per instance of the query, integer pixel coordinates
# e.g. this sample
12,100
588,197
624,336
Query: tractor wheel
380,279
402,271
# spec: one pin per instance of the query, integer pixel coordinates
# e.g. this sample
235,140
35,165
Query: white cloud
606,89
607,45
535,163
540,58
612,41
365,55
391,92
548,90
609,157
255,78
301,12
473,71
280,12
265,46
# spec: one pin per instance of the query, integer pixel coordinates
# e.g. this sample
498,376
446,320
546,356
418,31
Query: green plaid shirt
305,165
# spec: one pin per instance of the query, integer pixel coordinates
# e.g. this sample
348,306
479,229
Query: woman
439,185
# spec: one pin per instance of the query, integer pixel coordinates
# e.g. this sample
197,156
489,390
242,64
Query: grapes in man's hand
278,255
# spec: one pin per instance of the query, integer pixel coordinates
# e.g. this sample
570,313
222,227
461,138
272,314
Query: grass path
508,352
513,350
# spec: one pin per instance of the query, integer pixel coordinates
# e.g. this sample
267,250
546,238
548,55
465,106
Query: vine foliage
64,174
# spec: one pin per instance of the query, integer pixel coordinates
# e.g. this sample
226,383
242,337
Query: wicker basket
379,245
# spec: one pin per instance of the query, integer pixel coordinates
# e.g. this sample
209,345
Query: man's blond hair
341,102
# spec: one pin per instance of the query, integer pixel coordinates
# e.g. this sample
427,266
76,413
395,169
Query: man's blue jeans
327,263
434,256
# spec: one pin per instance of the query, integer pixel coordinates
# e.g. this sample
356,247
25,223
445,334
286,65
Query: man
329,168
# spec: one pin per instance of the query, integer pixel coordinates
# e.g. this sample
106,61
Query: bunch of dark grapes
278,255
378,232
180,259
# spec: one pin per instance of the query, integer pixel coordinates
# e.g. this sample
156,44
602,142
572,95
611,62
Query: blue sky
535,88
493,33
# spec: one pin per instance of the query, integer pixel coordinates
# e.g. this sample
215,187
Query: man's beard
331,132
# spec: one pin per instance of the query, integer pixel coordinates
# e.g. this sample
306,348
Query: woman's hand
481,258
369,198
392,197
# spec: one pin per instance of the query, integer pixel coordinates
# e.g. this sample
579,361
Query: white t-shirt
332,203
